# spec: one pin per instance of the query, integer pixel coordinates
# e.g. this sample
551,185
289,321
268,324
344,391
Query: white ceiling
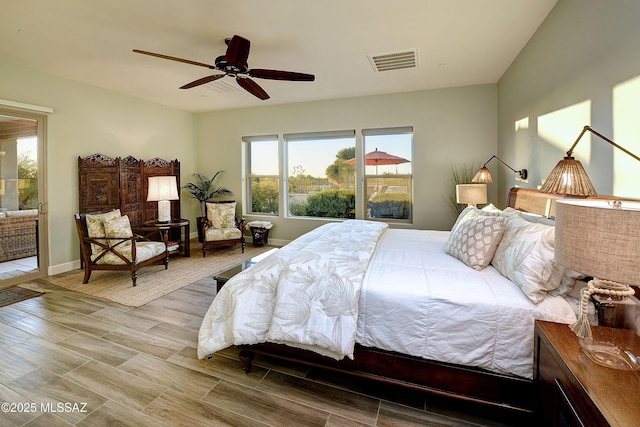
459,43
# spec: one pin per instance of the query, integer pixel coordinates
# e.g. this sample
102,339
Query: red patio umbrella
376,158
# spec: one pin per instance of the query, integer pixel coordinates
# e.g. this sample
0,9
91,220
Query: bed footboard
503,392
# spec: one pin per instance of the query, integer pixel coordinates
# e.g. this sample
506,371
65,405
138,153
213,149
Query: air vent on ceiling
394,60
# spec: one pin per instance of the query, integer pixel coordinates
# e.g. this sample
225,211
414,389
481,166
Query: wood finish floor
77,360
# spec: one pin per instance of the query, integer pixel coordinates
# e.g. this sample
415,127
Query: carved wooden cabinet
121,183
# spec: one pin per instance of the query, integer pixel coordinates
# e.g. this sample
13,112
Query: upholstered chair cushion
221,215
144,251
214,234
119,227
95,226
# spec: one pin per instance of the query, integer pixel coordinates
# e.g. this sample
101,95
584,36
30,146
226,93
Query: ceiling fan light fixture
234,64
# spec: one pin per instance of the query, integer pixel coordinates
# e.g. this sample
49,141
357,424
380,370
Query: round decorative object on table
260,232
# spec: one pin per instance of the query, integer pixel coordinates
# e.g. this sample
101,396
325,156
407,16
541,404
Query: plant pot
200,226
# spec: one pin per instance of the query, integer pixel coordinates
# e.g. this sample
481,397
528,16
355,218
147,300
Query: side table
182,225
575,391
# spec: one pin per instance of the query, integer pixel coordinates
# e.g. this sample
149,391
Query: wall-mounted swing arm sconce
569,177
483,176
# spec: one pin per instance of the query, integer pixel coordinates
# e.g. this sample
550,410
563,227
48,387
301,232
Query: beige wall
455,126
582,67
86,120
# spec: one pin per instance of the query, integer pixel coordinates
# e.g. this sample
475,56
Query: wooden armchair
221,226
107,243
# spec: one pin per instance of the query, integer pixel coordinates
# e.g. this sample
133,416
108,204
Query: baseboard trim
63,268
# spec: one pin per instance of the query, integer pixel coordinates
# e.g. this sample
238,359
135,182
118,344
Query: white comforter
418,300
305,295
414,299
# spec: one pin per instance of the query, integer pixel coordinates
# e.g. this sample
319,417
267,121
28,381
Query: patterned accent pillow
462,215
526,257
119,227
95,226
476,238
222,215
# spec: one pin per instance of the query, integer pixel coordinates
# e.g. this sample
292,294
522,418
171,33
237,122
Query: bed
454,324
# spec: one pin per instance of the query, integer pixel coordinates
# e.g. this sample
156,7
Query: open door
23,231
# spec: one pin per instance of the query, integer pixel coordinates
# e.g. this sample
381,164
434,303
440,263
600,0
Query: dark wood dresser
575,391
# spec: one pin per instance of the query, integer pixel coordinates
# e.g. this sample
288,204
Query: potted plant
203,190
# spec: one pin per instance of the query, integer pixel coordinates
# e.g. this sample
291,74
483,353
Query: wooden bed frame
511,394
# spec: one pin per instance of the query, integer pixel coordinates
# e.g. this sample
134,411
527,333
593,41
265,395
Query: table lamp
471,194
601,239
162,189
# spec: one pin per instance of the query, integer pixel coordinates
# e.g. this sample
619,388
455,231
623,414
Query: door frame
43,229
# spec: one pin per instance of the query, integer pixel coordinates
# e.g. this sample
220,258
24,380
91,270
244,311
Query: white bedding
414,299
304,295
418,300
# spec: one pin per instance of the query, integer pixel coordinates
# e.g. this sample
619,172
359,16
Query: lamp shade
162,188
471,194
598,239
483,176
569,178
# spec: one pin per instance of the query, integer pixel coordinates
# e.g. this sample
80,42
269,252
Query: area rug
15,294
154,281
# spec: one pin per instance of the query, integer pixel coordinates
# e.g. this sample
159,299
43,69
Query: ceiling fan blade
281,75
173,58
202,81
252,87
238,52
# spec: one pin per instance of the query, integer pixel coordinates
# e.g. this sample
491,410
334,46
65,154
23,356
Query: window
388,178
320,180
262,175
320,173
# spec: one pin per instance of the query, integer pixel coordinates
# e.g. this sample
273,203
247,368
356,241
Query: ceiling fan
234,63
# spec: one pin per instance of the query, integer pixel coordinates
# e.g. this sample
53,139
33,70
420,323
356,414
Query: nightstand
573,390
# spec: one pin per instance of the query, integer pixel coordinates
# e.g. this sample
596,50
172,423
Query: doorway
23,225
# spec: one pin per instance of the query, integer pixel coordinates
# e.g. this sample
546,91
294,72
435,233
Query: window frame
248,176
360,183
288,138
400,130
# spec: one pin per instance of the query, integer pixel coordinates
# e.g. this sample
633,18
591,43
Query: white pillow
525,256
532,217
562,277
475,238
490,208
